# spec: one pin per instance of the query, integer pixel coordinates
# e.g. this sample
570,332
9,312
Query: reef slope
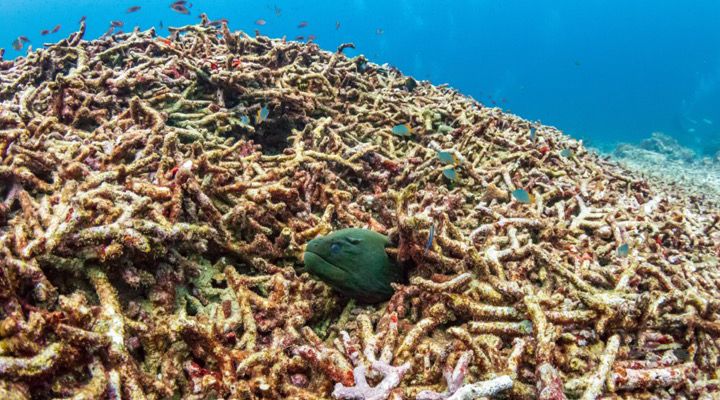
153,219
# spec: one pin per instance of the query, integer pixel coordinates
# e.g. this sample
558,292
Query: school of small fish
179,6
549,325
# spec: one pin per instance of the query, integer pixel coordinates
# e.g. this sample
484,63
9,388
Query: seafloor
665,162
153,219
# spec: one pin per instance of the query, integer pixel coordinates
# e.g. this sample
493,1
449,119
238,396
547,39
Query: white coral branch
362,391
483,389
455,389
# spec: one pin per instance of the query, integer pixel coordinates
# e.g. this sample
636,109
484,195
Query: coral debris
675,168
157,194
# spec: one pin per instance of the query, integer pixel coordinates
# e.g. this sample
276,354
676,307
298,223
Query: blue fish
262,114
567,153
402,130
245,120
532,134
623,250
450,173
522,196
431,235
447,157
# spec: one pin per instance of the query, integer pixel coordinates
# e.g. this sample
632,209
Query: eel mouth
328,272
314,257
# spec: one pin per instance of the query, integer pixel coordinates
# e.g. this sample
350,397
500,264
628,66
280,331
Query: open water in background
606,71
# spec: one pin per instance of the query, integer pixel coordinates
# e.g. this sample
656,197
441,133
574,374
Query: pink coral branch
363,391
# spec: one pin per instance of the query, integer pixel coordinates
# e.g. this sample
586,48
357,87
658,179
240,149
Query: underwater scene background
604,71
257,200
231,200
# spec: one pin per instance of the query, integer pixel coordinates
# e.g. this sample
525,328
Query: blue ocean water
606,71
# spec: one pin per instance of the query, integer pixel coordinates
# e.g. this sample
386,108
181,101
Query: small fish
337,25
567,153
431,235
165,41
260,22
55,29
450,173
218,22
681,354
379,31
17,44
161,25
133,9
533,133
24,39
262,114
623,250
117,24
180,8
444,128
278,11
577,63
691,130
300,38
179,3
522,196
44,32
410,84
302,24
311,38
245,119
707,121
447,157
402,130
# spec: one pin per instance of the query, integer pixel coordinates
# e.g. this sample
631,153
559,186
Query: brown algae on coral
150,233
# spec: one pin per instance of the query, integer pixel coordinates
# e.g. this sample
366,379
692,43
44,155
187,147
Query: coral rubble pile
675,168
157,194
663,144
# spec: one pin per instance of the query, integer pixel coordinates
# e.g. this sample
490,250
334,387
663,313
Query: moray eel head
354,262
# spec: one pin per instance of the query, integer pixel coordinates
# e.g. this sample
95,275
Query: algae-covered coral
157,194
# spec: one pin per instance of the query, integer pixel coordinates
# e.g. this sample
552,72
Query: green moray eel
354,262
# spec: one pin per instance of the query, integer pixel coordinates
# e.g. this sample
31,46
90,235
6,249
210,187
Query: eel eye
335,249
353,240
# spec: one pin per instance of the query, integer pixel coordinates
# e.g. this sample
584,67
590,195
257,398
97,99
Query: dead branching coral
151,226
